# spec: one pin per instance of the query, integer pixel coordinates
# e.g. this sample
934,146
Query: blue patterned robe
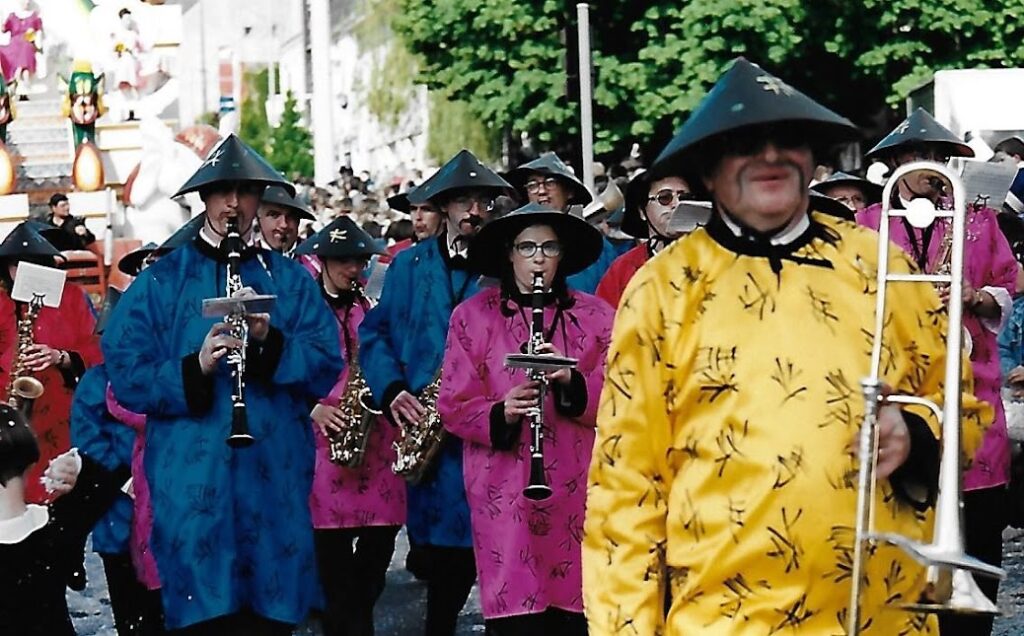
232,527
587,280
99,436
402,346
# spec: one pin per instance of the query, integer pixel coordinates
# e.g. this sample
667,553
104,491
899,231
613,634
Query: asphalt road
402,607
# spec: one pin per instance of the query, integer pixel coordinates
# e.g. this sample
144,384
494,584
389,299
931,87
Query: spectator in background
78,236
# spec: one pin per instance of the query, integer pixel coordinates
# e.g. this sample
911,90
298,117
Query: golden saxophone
417,445
348,446
23,390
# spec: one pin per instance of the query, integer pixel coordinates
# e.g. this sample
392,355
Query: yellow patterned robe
722,463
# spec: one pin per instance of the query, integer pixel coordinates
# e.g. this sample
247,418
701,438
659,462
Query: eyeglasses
533,186
752,141
666,197
922,153
465,203
527,249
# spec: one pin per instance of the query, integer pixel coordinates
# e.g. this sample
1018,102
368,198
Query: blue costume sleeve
89,433
145,378
310,359
378,353
1011,339
588,280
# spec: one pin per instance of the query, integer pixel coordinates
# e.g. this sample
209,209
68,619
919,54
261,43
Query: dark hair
120,14
400,230
563,299
57,198
372,228
18,446
1011,146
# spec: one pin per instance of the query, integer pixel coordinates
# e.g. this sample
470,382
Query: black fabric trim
390,393
198,387
262,358
73,374
571,401
758,245
504,436
219,255
75,514
916,482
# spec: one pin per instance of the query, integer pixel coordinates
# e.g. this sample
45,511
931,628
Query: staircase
43,149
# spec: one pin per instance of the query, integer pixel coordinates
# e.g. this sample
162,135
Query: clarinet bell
537,489
240,436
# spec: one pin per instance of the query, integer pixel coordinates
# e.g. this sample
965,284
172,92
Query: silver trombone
950,584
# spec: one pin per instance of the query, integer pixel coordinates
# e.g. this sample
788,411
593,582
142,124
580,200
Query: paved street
401,608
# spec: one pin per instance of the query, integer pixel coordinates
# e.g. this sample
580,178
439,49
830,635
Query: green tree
253,128
291,143
654,60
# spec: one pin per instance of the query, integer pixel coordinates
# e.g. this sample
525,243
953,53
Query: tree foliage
654,60
291,143
253,127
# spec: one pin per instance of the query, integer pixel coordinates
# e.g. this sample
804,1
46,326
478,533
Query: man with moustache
402,343
730,405
547,181
232,532
278,219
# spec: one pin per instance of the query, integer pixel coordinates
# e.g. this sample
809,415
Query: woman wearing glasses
650,201
527,552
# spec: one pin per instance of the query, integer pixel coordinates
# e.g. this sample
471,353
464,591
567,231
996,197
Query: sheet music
375,283
688,216
985,183
31,279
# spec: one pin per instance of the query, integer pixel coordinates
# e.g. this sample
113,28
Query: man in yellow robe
724,468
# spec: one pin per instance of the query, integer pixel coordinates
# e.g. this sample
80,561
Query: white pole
586,104
323,137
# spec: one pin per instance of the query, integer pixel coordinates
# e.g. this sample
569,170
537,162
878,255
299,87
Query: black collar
525,299
216,254
457,262
345,298
750,242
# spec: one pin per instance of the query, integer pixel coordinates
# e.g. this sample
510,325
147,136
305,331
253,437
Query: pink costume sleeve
467,393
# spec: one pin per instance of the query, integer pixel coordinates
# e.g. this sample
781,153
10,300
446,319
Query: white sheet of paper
31,279
985,183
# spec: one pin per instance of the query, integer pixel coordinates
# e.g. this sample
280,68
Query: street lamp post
323,125
586,97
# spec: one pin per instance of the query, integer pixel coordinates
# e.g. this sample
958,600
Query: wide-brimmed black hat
832,207
746,96
463,170
872,191
920,128
341,238
26,243
233,160
110,301
132,262
276,195
399,202
549,164
636,197
581,241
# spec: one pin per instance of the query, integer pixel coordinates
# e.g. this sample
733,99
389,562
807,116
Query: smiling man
278,218
232,533
730,402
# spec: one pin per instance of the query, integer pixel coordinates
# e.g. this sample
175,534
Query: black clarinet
232,244
538,488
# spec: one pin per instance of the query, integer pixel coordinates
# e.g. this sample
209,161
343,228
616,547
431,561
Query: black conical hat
131,263
920,128
233,160
833,207
277,195
872,191
25,242
747,95
184,234
399,202
463,170
549,164
581,242
341,238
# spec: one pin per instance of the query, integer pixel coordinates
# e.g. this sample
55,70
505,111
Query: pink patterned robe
370,495
142,510
988,262
527,552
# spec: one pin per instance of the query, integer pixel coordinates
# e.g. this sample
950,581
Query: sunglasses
527,249
465,203
752,141
666,197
